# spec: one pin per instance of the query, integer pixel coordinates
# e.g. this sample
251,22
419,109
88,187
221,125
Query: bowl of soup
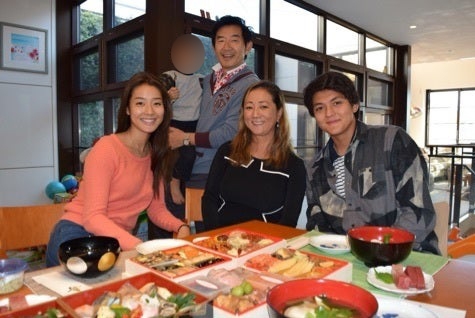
297,298
380,245
89,256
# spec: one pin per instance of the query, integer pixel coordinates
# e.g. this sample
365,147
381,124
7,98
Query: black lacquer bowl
89,256
380,245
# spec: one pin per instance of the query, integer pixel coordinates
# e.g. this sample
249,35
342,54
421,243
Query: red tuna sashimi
417,277
400,278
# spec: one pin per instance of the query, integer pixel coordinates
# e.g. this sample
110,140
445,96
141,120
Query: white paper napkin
61,283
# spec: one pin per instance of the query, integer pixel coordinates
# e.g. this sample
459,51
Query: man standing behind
223,91
365,175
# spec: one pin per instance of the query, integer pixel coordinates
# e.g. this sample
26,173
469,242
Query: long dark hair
281,147
162,158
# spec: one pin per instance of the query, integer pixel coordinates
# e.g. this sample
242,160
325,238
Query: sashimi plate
331,243
158,245
371,278
401,309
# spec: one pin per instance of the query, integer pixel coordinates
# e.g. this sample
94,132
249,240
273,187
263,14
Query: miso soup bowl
380,245
344,294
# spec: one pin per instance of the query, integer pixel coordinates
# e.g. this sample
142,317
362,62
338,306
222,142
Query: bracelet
184,224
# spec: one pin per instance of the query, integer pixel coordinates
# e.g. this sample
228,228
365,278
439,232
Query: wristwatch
186,141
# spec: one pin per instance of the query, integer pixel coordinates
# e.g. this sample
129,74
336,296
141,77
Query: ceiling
445,28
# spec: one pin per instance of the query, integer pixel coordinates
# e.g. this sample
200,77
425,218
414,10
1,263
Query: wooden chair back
27,226
442,225
193,205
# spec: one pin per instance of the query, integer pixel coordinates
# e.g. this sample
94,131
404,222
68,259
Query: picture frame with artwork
23,48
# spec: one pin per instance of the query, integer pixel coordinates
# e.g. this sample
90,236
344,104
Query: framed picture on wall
23,48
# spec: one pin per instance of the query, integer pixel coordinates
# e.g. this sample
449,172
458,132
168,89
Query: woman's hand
183,231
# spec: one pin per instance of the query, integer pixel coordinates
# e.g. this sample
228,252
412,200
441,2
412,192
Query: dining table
454,281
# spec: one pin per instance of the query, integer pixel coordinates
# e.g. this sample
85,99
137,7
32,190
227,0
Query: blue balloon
54,187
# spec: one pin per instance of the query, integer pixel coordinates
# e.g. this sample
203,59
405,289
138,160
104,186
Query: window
303,131
115,110
89,70
467,115
246,9
128,58
450,116
295,25
91,122
378,56
126,10
377,117
379,92
342,43
90,19
292,74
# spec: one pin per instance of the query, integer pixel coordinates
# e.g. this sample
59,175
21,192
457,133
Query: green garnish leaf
387,238
385,277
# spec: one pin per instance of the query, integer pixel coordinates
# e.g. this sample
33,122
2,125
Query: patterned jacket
386,184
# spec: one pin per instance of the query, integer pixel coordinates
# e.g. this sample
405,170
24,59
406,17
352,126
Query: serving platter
238,243
331,243
177,263
391,287
294,264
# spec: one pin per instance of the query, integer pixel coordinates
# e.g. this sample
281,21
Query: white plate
158,245
200,238
331,243
402,309
371,277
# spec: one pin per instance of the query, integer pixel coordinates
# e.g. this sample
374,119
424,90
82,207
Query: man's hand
175,137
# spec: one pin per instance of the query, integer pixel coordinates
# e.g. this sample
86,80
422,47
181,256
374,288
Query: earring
277,125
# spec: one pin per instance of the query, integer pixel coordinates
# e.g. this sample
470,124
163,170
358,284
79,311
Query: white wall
453,74
28,138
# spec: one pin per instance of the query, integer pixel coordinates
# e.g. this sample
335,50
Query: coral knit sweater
115,188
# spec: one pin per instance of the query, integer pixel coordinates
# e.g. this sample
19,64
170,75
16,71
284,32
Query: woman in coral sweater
124,173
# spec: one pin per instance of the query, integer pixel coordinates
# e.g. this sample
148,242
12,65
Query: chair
442,225
193,205
27,226
464,247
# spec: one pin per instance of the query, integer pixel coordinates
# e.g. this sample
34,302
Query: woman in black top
256,176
